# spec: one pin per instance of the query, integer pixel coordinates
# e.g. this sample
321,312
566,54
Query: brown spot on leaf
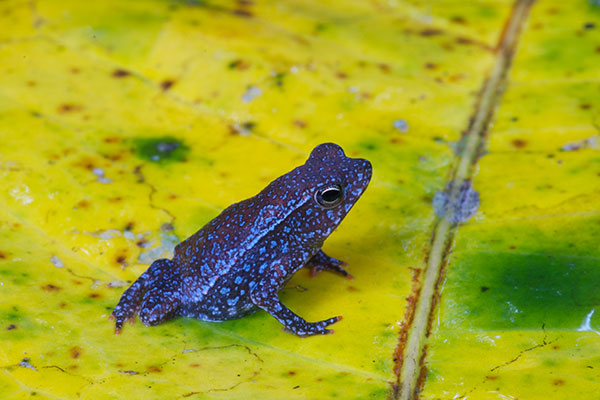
83,204
240,12
154,368
431,32
31,83
115,157
75,352
167,84
484,289
194,365
85,162
3,255
121,259
352,289
519,143
120,73
491,378
464,40
112,139
384,68
95,295
69,107
75,70
341,75
239,65
555,347
459,20
300,123
558,382
430,65
50,288
291,373
585,106
456,77
11,327
129,225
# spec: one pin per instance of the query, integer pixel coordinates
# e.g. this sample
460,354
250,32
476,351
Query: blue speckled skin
240,260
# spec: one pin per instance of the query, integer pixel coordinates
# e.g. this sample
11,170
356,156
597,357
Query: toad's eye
329,196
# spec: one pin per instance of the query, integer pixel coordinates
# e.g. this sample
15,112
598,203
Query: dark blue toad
240,260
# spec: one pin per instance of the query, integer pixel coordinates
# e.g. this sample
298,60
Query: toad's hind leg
134,300
163,299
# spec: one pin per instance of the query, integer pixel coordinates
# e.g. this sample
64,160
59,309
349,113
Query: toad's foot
322,262
303,328
151,296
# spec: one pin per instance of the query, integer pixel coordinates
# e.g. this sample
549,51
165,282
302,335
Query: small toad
239,261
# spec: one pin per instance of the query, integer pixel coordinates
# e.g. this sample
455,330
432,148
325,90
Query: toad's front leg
264,295
322,262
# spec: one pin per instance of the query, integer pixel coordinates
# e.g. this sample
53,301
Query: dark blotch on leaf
431,32
161,149
300,123
238,64
75,352
459,20
120,73
278,77
50,288
519,143
167,84
242,13
67,108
